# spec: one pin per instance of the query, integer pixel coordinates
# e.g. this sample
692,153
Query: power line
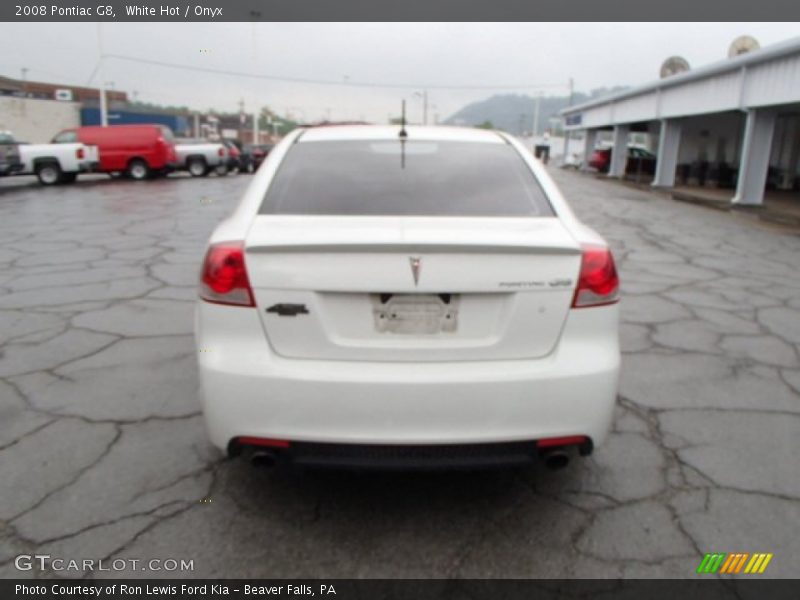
329,82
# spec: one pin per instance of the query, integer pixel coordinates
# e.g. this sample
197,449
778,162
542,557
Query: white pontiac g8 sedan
406,297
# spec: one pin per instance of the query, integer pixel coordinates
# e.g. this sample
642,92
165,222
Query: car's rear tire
49,173
138,170
197,167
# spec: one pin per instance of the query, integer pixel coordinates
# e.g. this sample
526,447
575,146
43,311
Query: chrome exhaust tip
556,459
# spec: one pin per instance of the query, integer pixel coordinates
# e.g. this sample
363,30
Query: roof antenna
403,133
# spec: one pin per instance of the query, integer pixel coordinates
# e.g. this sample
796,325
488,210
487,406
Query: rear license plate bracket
415,314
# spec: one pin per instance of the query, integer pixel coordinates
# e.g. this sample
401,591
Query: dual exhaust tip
553,452
554,460
261,457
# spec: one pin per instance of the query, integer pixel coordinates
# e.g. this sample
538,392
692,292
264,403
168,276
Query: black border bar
403,10
706,587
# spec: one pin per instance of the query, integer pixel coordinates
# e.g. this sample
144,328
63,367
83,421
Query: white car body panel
250,391
210,152
65,154
523,365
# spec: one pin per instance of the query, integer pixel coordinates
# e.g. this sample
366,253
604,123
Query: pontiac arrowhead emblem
416,267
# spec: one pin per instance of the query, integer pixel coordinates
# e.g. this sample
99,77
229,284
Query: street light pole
536,116
566,131
424,95
101,74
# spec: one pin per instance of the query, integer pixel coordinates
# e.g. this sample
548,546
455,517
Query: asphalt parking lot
103,452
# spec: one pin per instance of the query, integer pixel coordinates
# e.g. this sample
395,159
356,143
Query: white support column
669,142
619,152
589,140
756,147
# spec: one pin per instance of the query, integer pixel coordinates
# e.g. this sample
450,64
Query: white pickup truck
200,157
57,163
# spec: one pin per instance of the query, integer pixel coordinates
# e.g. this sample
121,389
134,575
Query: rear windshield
419,178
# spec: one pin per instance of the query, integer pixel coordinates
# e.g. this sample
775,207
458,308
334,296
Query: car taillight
224,277
79,153
221,151
598,283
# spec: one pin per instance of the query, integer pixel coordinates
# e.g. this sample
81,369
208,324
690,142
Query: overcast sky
415,54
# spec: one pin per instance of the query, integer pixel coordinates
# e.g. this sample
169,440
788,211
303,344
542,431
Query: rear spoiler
444,247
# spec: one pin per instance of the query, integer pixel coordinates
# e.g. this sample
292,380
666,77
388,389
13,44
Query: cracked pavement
104,454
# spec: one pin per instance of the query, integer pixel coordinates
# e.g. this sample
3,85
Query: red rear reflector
254,441
598,282
573,440
224,276
79,153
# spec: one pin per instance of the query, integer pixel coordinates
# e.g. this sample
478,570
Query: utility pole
101,74
256,100
242,117
424,95
255,128
566,132
536,116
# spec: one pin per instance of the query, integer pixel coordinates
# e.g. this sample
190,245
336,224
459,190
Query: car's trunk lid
411,288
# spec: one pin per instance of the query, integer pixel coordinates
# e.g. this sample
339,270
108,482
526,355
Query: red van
139,151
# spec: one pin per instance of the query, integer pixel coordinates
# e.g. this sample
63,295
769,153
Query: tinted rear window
404,178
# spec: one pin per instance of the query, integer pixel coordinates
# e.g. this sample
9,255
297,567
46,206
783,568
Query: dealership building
732,124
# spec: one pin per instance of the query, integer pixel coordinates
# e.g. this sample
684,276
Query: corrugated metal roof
772,52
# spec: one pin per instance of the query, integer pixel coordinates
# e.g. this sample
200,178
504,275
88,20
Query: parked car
138,151
201,157
601,159
258,152
234,156
58,163
639,160
425,299
10,161
54,163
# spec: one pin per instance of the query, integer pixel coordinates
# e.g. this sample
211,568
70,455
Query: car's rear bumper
249,391
405,456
